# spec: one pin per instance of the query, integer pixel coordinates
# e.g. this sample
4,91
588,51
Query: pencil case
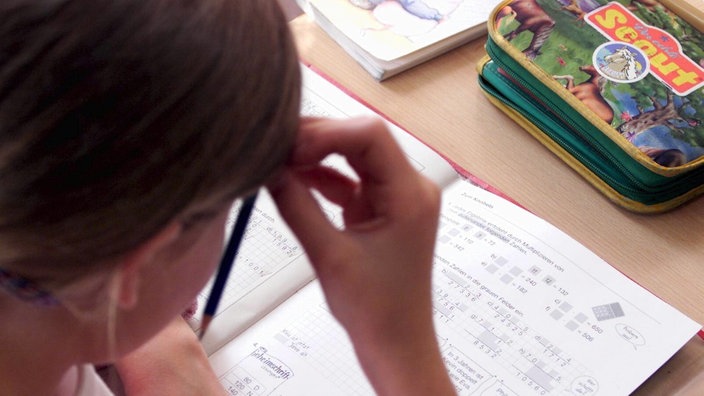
615,89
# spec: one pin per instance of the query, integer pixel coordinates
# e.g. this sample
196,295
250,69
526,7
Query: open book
387,37
520,307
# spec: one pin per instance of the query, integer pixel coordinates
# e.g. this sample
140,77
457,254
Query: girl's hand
375,272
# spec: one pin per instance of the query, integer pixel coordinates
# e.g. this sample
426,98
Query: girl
127,128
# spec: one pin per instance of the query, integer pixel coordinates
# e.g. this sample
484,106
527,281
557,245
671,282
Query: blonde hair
119,116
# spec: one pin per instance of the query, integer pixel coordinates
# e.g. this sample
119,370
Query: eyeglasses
26,290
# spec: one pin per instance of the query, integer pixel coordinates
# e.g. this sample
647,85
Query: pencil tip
205,322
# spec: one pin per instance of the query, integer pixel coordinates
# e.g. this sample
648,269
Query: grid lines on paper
264,250
331,353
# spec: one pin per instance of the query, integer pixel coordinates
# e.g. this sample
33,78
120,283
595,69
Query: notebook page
271,265
519,307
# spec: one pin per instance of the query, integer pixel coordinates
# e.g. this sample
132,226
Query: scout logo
620,62
667,61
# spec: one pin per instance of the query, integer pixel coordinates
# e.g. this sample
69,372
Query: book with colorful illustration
387,37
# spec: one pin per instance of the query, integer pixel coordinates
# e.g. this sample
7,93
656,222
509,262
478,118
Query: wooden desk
441,103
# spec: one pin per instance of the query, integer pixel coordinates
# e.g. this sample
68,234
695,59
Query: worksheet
520,308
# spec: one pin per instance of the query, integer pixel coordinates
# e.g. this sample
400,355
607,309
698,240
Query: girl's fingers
365,142
336,187
302,213
342,191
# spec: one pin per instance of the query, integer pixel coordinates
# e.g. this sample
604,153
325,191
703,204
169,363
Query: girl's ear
129,271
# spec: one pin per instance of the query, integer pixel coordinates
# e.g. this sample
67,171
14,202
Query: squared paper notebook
520,308
388,37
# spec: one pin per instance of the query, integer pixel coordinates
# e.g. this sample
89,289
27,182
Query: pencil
226,262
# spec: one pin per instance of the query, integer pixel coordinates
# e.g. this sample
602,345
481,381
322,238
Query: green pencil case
615,89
